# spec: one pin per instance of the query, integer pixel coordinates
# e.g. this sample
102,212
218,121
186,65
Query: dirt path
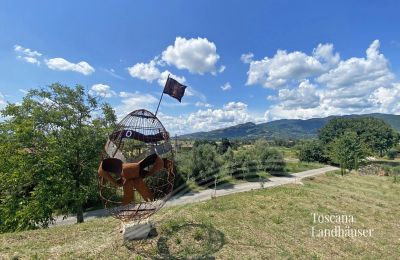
204,195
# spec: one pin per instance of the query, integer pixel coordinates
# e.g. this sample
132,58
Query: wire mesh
138,135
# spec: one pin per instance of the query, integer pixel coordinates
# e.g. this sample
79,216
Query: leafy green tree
347,150
244,163
49,155
269,159
224,145
206,162
228,161
312,151
391,154
375,133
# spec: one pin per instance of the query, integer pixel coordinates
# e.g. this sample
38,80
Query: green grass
294,167
270,223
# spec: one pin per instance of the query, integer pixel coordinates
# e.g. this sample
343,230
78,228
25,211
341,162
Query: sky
243,61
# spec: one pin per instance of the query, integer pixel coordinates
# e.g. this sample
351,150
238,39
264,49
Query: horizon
285,119
273,63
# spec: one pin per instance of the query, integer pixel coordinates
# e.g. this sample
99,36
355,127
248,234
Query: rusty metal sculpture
136,172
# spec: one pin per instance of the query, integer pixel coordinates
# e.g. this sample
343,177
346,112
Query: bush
205,163
244,164
391,154
312,151
270,160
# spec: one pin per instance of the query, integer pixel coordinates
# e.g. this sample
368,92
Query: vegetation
392,154
348,141
208,160
375,134
312,151
249,225
49,155
347,151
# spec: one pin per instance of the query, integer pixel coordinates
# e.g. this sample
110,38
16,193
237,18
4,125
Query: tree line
348,141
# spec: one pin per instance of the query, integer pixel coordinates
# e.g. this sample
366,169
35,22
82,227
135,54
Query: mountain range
284,128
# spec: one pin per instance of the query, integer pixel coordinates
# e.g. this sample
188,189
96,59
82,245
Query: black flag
174,89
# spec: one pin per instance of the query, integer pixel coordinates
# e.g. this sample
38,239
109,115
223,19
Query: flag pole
162,94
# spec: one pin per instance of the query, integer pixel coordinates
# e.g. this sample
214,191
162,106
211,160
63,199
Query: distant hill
285,128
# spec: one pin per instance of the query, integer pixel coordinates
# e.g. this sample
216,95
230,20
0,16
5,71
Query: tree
205,162
376,134
391,154
312,151
244,163
269,159
56,141
224,145
347,150
229,161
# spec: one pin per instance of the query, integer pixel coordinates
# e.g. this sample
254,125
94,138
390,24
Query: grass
294,167
272,223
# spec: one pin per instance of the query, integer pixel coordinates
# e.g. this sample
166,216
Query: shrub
270,160
244,164
391,154
205,163
312,151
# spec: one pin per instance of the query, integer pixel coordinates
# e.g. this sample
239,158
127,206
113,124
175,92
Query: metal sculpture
136,172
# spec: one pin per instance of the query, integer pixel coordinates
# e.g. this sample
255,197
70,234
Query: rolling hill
285,128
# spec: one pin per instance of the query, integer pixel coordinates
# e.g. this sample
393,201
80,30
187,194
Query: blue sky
242,60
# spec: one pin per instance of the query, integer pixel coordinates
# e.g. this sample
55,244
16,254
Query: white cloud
352,86
325,53
360,73
203,104
131,101
113,73
2,100
63,65
305,96
235,106
207,119
386,99
145,71
164,76
150,72
232,113
196,55
285,67
27,54
31,60
222,68
102,90
226,86
26,51
247,58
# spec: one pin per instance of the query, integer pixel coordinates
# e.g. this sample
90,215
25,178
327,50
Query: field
270,223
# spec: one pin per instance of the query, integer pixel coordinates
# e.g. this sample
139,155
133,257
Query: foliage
49,155
347,150
205,162
377,135
312,151
244,164
392,153
223,147
269,159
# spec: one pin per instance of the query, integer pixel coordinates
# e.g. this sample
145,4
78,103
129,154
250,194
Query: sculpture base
137,231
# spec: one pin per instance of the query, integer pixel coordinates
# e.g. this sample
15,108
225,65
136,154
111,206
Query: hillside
273,222
285,128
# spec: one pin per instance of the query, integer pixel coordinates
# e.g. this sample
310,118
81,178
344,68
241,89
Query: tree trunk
79,214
